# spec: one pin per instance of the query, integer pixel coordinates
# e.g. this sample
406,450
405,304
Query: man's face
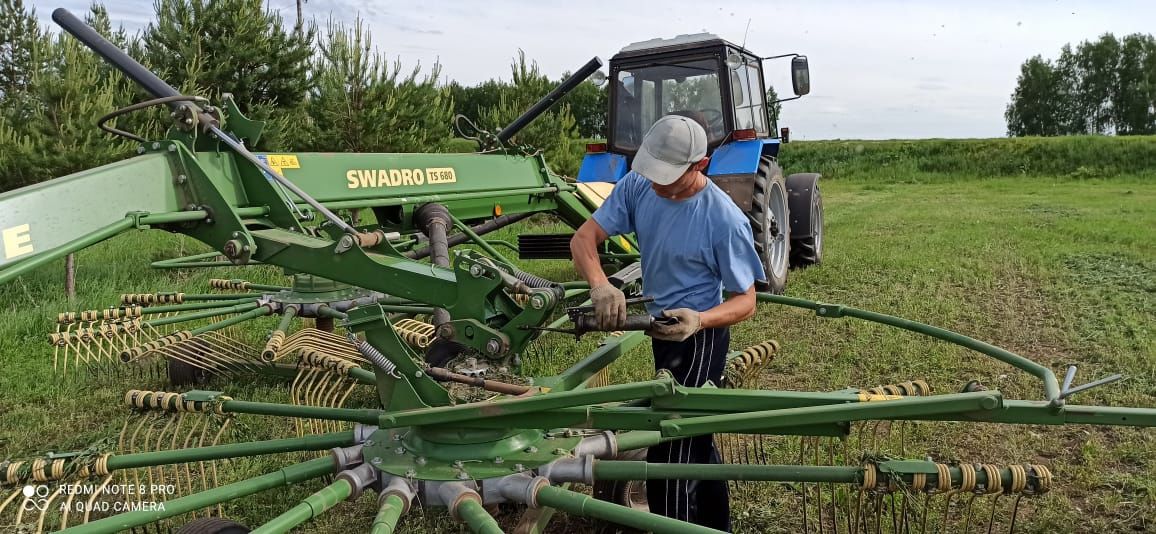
680,188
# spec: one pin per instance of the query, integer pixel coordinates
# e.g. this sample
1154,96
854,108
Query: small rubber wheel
184,374
213,525
806,205
770,221
629,493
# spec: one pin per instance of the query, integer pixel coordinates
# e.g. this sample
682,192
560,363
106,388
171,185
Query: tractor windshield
647,92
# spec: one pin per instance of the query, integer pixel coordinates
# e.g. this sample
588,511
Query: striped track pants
693,362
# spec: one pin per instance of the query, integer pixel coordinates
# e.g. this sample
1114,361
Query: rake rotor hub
429,453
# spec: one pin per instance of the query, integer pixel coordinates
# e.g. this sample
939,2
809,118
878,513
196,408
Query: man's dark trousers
693,362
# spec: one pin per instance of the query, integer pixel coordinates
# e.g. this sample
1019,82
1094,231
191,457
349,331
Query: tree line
319,87
1106,86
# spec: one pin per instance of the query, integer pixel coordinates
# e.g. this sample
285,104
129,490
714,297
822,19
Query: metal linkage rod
196,260
200,305
586,506
246,306
260,311
878,476
309,508
619,470
282,477
812,415
604,355
240,149
639,439
1051,385
54,254
392,506
472,411
478,230
477,518
477,239
364,416
318,442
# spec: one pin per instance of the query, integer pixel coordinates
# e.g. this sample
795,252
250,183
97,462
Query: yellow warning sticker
282,161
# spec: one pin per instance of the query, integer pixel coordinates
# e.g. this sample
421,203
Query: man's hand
609,307
688,322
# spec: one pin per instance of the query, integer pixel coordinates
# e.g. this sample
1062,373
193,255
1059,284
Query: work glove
609,307
687,322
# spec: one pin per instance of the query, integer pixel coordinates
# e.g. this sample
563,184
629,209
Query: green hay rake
403,374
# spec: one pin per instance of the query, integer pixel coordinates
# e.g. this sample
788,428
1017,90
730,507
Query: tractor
418,371
720,85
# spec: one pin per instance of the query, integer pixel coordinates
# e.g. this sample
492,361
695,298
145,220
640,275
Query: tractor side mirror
800,75
598,78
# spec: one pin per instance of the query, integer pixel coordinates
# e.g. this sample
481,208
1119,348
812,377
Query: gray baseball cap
669,148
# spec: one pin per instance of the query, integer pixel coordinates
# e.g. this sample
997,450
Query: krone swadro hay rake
419,398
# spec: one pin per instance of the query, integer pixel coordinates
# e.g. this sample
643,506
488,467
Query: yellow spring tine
96,493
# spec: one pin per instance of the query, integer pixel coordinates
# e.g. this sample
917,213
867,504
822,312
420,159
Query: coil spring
273,346
110,314
755,355
313,358
143,399
416,333
219,283
1032,479
133,353
146,299
532,280
49,469
374,356
911,388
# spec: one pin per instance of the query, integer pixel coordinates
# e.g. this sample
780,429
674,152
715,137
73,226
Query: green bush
928,159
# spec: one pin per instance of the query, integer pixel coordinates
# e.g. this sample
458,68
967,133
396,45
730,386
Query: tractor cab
689,76
720,85
701,76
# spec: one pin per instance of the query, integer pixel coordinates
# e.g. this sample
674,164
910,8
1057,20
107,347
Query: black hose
480,229
123,62
550,99
434,220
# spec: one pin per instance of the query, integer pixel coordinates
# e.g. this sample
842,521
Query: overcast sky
895,69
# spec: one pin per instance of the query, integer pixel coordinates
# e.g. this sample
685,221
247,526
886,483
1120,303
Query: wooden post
70,276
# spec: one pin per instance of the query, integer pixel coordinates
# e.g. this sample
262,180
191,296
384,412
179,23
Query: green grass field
1062,270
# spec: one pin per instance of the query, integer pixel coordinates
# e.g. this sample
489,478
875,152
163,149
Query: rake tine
994,508
1015,511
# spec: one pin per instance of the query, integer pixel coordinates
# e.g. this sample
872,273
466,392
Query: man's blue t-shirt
692,249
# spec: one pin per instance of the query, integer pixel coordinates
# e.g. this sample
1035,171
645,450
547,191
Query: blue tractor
720,85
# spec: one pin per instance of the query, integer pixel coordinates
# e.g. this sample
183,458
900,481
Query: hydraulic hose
434,220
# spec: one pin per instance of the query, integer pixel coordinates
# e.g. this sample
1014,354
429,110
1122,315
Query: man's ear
702,164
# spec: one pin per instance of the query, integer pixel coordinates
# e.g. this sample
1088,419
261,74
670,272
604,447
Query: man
695,244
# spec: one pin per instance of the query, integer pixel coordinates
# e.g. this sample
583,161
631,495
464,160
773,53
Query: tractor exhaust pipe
549,100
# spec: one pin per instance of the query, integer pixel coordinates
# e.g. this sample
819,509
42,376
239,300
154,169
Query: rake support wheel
213,525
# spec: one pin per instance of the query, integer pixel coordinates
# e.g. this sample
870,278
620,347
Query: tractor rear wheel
213,525
770,221
806,206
